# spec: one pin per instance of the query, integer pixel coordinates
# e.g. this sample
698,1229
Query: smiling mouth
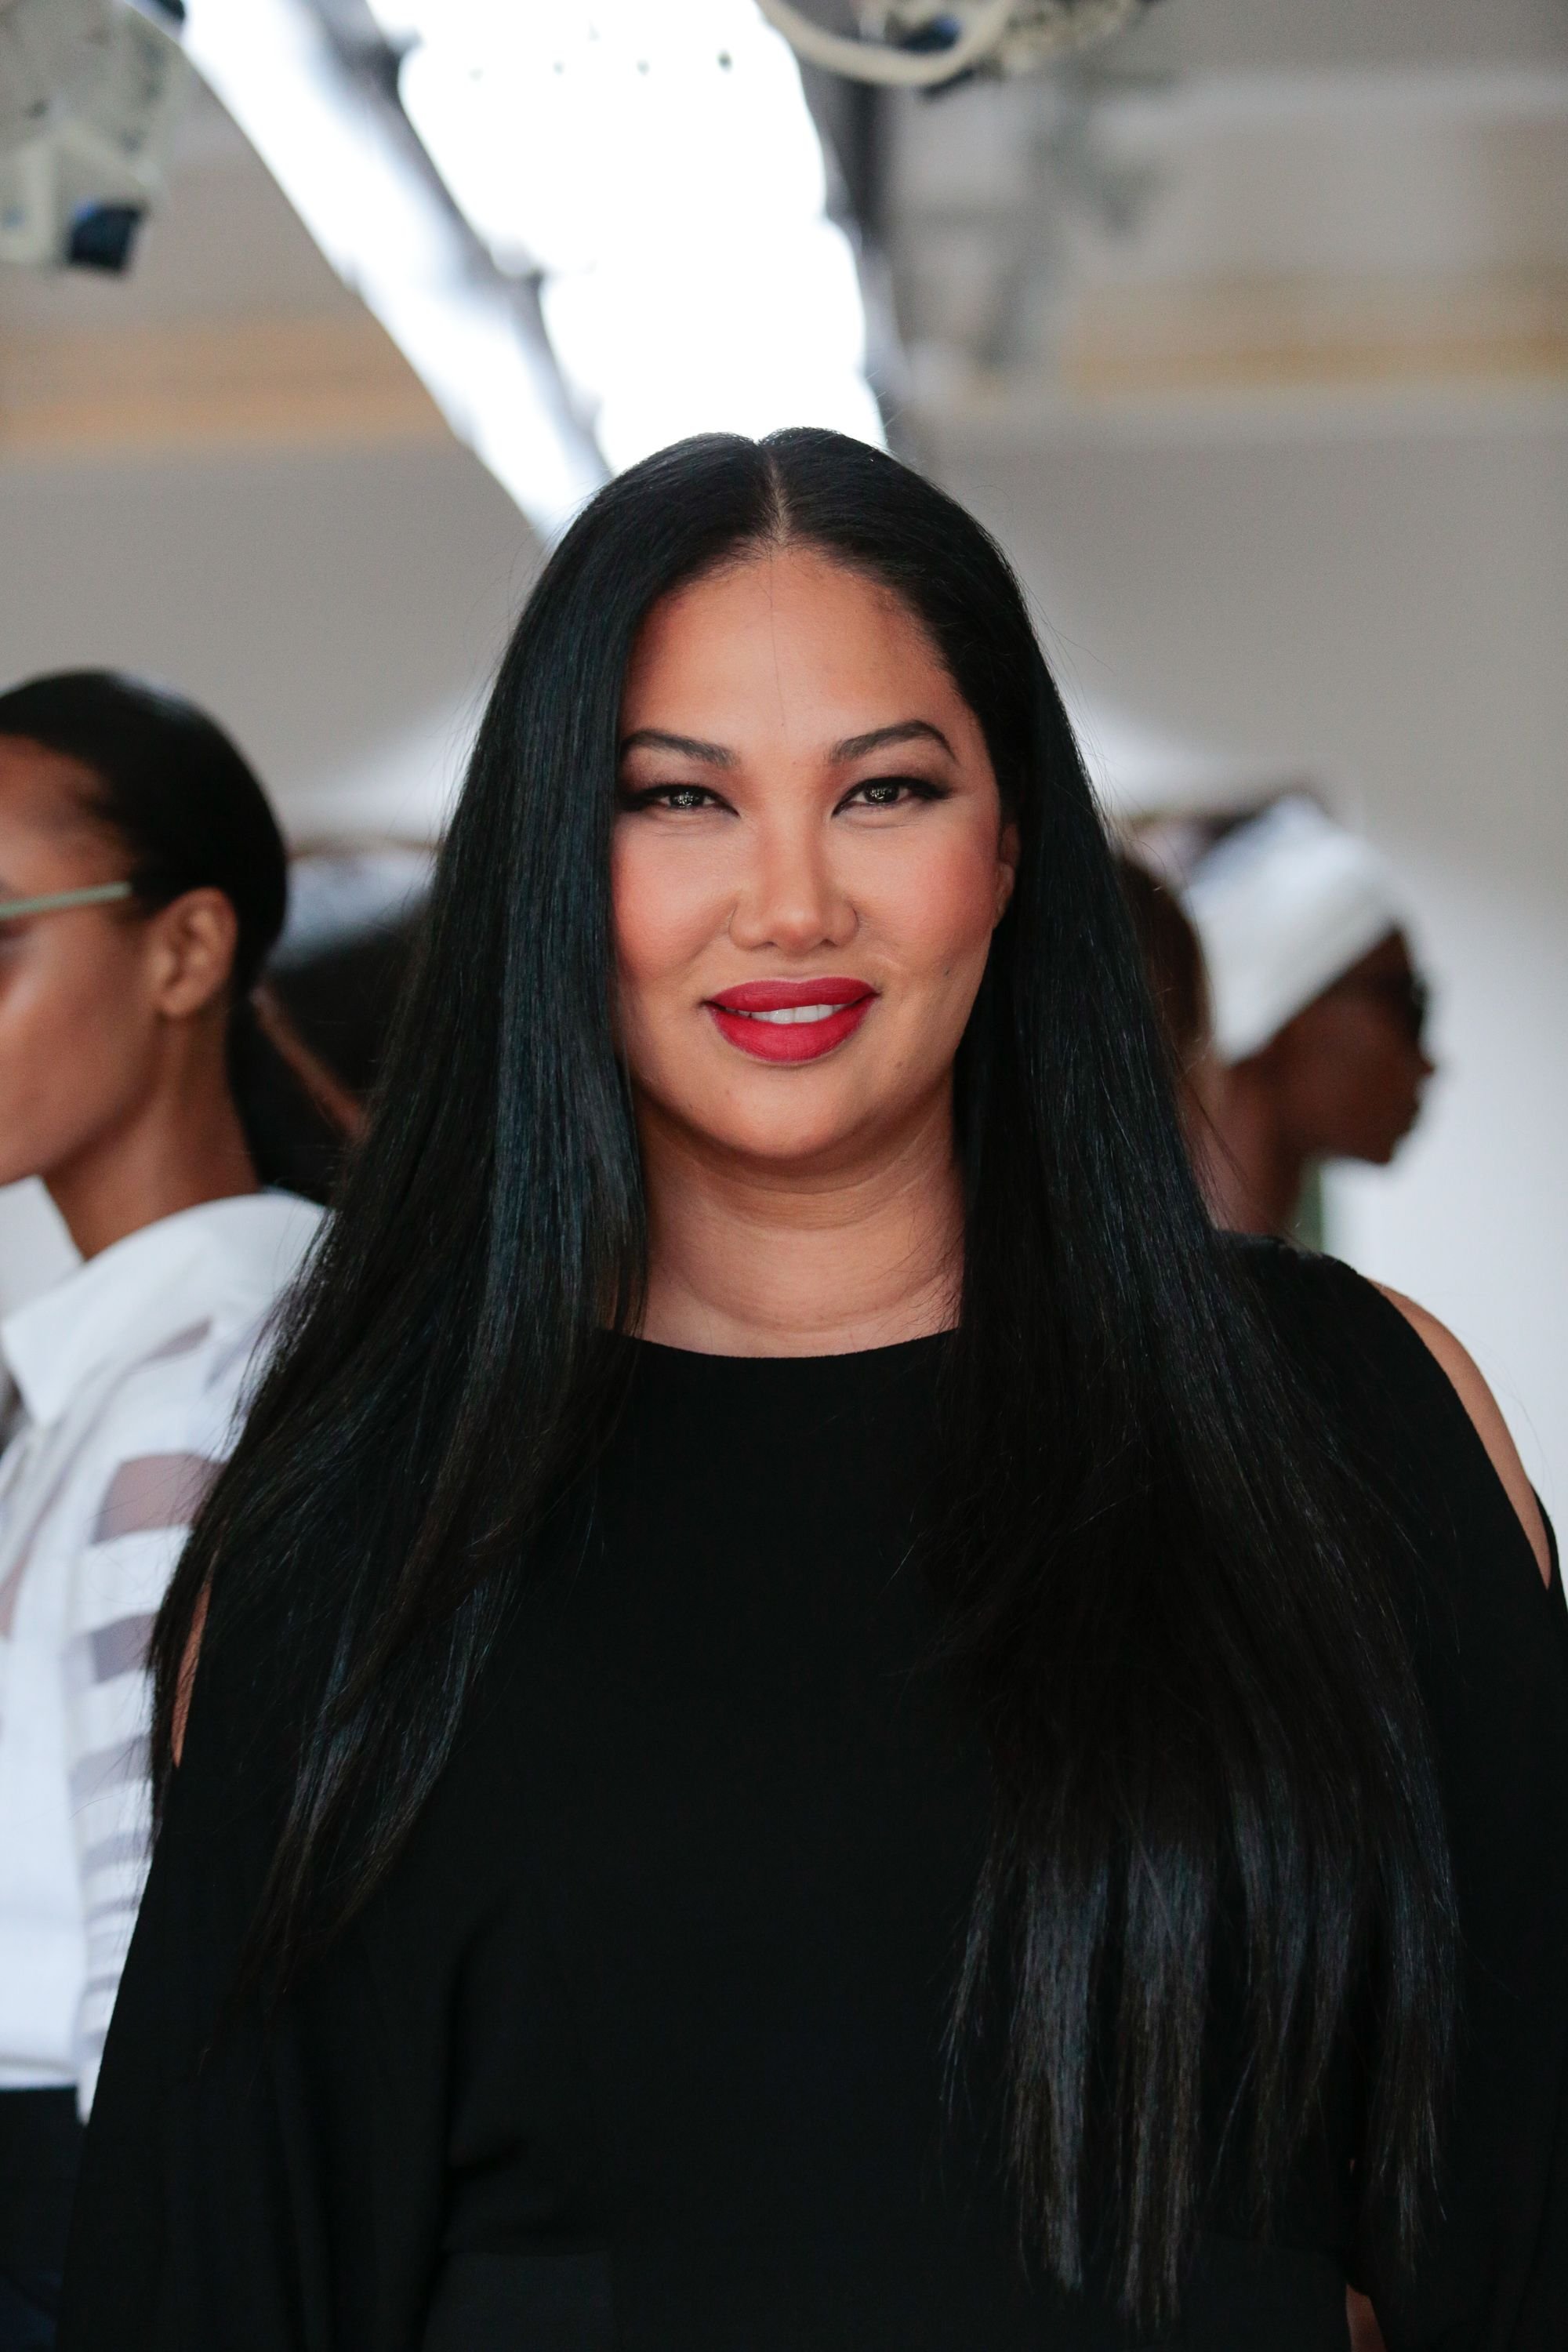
790,1021
788,1013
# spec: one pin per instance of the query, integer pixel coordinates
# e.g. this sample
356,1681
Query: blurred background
1243,323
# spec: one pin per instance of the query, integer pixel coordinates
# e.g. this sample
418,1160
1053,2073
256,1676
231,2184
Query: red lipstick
790,1020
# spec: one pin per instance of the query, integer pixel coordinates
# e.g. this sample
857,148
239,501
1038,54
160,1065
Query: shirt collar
223,1260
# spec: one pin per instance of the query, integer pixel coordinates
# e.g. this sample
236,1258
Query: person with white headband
1318,1010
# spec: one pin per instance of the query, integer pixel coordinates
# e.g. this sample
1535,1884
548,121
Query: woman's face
83,990
1351,1068
809,861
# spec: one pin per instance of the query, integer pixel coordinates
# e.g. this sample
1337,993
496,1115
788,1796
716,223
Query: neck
753,1260
169,1154
1259,1172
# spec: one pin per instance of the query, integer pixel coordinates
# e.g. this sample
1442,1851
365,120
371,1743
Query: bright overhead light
657,166
566,134
388,233
743,341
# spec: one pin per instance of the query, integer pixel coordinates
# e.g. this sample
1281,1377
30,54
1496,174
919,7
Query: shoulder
1486,1418
256,1250
1388,1360
160,1430
180,1398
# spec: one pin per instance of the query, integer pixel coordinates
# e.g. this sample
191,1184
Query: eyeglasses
93,894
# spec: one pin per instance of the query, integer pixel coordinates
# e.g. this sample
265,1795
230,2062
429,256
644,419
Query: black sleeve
1490,1643
136,2278
251,2187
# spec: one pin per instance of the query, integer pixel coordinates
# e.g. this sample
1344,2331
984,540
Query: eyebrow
655,738
853,747
907,731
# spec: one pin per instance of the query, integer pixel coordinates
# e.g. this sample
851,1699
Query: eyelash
699,796
920,788
662,796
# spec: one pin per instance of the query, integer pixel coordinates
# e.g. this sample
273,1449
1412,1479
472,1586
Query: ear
192,943
1007,849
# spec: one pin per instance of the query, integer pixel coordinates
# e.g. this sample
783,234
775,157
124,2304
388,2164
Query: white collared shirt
131,1374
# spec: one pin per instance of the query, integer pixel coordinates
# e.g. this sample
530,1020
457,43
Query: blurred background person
1173,960
324,1007
1319,1012
143,881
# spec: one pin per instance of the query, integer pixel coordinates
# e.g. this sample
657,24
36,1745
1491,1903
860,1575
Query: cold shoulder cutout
1486,1416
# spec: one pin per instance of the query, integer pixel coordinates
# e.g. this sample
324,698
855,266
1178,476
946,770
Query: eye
892,791
680,798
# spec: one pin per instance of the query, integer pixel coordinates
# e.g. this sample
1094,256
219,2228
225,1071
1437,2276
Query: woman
823,1720
142,883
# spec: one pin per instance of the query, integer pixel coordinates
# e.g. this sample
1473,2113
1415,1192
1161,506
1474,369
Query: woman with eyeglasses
142,882
811,1717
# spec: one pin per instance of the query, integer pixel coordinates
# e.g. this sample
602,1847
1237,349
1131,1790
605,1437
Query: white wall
1383,612
340,611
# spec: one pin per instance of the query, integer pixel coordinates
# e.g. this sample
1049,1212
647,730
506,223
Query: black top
640,2049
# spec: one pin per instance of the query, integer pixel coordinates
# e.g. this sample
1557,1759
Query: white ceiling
1246,196
1334,35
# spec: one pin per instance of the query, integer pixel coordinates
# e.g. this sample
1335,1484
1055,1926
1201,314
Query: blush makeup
790,1020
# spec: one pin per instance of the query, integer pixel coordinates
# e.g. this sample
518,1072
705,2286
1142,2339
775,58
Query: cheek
43,995
73,1034
88,993
1380,1058
1360,1070
668,900
934,904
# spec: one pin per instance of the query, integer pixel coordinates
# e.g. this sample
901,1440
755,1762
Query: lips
790,1020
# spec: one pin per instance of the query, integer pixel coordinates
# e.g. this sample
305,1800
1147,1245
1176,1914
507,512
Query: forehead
1390,958
43,788
786,641
47,823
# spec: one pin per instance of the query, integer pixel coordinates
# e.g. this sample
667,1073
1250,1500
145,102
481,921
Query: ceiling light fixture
91,93
658,170
924,43
361,189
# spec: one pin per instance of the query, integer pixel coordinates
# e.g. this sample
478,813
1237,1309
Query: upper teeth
797,1013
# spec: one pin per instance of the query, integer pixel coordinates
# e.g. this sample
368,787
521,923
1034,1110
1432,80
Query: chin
783,1139
1387,1149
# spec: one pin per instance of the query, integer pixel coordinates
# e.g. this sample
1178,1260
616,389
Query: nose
791,898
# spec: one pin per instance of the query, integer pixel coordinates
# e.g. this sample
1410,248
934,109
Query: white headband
1283,907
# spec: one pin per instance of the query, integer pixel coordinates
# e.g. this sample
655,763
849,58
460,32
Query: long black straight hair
1171,1621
